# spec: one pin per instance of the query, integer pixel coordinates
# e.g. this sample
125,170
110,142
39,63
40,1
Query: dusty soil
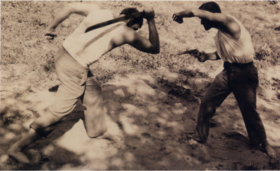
151,100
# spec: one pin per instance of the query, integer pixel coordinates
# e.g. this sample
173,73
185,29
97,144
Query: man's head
134,23
211,7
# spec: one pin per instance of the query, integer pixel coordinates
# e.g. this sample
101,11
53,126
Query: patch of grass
266,47
23,42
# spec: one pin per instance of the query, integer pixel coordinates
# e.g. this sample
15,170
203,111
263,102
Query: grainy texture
152,100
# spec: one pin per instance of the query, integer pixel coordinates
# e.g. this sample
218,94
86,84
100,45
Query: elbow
217,56
193,12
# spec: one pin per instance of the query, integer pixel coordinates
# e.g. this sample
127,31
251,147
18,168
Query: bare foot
271,153
18,155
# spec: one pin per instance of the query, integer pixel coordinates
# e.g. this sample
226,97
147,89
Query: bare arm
202,56
221,21
153,35
217,17
212,56
142,43
76,8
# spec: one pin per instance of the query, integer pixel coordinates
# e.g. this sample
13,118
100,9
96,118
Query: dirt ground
155,127
153,111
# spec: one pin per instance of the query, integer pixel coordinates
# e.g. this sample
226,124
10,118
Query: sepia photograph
140,85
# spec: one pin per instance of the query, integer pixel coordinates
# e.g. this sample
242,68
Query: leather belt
227,65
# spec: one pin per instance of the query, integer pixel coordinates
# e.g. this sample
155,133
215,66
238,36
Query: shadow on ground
155,118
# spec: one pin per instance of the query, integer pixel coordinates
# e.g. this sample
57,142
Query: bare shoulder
232,26
128,33
124,31
233,23
122,36
230,19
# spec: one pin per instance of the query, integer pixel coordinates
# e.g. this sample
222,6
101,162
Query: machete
123,18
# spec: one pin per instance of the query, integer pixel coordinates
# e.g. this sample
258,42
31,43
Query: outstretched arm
202,56
76,8
212,56
221,21
142,43
203,14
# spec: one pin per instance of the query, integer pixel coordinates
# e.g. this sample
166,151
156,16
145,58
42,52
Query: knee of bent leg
94,101
95,122
95,110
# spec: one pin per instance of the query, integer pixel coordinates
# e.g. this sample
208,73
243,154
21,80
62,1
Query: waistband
74,56
227,65
89,73
66,61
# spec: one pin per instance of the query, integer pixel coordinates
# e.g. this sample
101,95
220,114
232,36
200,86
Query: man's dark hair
211,7
138,20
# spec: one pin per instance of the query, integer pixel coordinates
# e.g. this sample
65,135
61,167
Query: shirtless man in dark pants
240,76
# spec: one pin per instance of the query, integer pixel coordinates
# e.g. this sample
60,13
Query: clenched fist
202,56
149,13
176,17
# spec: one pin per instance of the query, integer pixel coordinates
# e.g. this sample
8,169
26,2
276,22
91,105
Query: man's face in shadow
206,24
135,26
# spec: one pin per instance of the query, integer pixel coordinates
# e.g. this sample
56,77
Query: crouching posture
240,76
79,51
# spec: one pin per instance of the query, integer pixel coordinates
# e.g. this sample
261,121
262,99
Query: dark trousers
242,80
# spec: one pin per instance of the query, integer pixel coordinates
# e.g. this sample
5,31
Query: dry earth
151,100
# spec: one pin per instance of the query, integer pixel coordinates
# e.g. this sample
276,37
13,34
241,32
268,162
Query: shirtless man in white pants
73,59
